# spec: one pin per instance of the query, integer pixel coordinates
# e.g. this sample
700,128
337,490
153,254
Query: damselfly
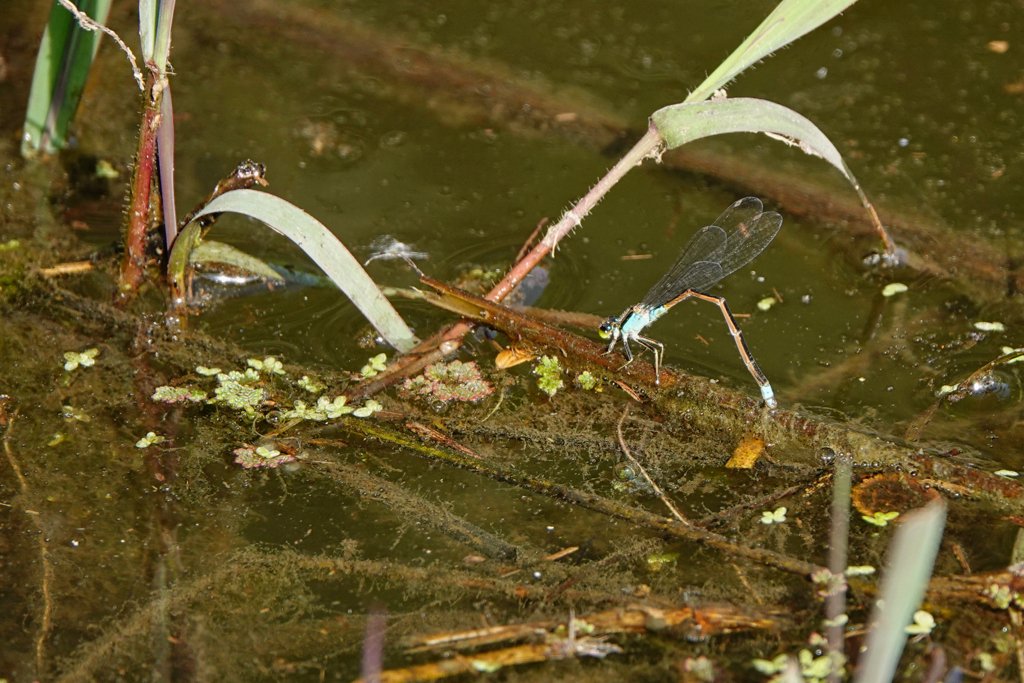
740,233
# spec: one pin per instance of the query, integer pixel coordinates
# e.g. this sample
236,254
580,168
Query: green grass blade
314,239
147,28
65,58
908,567
682,123
162,45
790,20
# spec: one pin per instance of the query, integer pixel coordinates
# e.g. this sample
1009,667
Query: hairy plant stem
142,185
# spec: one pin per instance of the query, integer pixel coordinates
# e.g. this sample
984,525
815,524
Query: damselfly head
608,328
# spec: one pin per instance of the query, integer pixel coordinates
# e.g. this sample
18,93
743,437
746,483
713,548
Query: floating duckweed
770,667
446,382
368,409
549,372
166,394
149,439
816,669
778,516
268,364
238,396
249,457
1006,473
766,303
57,439
247,377
986,662
586,380
990,327
377,364
304,412
104,169
894,288
923,623
311,385
1000,595
10,245
880,518
207,372
86,359
333,409
1009,349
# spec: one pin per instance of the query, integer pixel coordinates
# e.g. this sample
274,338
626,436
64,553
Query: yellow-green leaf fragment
880,518
990,326
924,622
894,288
766,303
149,439
777,516
84,359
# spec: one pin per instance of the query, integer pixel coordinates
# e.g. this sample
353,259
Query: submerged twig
590,501
650,482
46,622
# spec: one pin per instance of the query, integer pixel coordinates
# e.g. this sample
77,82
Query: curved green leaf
790,20
314,239
212,251
682,123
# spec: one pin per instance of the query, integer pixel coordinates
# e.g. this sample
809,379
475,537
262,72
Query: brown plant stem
142,185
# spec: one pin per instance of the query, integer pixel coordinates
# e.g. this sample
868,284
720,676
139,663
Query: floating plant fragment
766,303
268,364
923,623
166,394
880,518
586,380
86,359
368,409
446,382
770,667
236,395
387,248
378,363
990,327
249,457
207,372
1006,473
778,516
549,372
311,385
149,439
894,288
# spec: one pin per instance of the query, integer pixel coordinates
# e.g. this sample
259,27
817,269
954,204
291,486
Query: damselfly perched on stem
740,234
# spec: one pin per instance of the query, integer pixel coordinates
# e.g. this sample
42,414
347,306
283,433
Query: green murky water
125,564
